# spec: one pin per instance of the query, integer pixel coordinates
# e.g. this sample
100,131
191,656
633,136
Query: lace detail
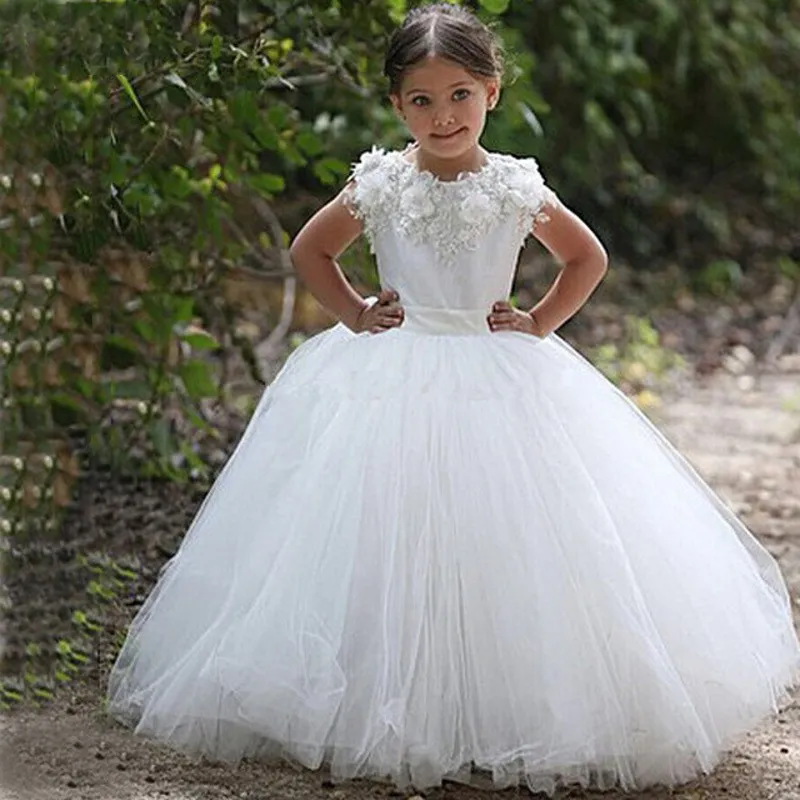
369,194
450,216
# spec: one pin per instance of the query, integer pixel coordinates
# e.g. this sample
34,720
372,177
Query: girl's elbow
300,253
601,261
296,247
592,263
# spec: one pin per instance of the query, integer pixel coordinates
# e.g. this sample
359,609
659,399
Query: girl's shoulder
515,165
376,161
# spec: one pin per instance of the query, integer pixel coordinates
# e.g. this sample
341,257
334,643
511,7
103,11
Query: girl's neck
448,169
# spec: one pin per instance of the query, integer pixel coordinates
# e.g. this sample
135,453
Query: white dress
440,552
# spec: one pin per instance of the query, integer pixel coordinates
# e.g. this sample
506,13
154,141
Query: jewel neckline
461,177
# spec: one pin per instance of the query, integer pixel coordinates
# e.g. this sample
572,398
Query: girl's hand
504,317
382,315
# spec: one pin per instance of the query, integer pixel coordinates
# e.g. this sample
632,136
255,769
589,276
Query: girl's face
444,106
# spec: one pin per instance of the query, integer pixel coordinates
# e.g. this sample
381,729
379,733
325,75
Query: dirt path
743,438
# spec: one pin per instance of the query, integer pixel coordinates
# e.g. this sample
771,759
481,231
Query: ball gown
441,553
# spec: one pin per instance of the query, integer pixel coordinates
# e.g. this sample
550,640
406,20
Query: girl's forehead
433,73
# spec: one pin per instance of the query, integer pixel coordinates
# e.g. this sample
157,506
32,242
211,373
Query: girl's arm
584,260
314,251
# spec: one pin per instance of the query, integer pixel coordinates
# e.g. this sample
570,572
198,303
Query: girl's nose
443,117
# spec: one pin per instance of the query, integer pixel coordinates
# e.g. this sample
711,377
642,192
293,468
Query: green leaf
123,572
197,378
80,618
176,80
182,308
242,108
200,423
495,6
266,135
161,437
397,10
192,459
267,184
81,657
126,85
329,170
134,389
278,115
309,143
199,339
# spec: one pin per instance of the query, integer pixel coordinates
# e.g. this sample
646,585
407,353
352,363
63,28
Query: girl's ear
492,94
398,106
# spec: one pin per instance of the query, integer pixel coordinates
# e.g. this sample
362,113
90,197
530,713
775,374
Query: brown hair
445,30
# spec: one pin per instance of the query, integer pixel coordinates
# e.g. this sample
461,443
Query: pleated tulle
433,554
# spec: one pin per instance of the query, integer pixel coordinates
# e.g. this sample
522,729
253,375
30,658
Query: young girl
446,546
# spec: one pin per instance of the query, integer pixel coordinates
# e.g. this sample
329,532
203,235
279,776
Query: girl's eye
458,94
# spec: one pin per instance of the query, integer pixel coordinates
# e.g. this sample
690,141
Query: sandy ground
743,435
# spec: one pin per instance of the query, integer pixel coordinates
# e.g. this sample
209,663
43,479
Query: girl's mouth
448,135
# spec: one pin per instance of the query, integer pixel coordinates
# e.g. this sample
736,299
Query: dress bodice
447,244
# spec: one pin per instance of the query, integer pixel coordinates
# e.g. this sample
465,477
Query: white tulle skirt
438,552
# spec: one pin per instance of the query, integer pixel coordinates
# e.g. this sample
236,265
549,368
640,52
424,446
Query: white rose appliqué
371,186
416,202
371,160
476,208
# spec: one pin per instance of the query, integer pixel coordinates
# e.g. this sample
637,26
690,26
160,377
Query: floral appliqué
450,216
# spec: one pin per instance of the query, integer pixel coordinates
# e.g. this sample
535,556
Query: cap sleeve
369,190
532,193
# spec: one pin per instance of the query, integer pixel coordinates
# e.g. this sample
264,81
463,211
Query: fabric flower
525,184
517,197
369,188
416,202
476,208
371,159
